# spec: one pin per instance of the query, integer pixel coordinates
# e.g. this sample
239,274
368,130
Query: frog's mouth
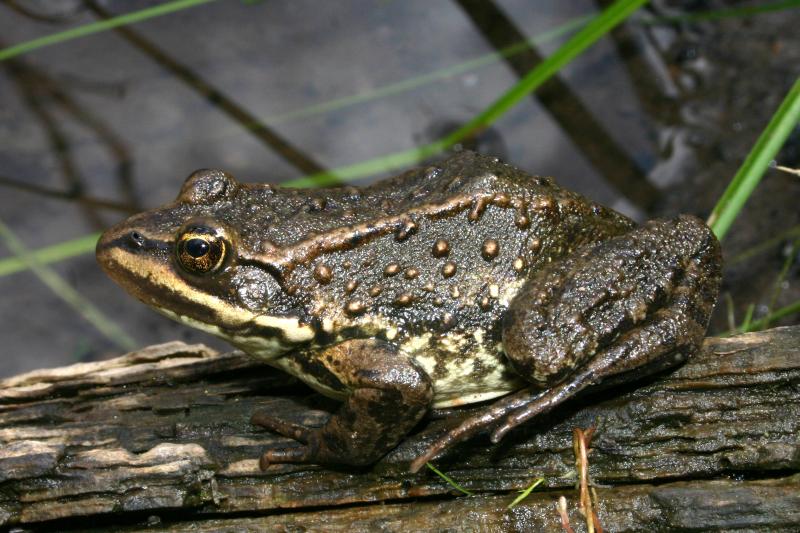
142,264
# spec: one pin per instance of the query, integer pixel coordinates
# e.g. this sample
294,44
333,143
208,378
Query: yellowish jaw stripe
162,276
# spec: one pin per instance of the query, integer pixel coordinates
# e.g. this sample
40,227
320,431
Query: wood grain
161,437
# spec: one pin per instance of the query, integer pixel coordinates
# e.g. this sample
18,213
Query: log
162,437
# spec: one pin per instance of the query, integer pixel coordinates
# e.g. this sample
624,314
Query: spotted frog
444,286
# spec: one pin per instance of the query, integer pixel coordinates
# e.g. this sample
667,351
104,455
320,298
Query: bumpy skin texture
614,311
443,286
580,306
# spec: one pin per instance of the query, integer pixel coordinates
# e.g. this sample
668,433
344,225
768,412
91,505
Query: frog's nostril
136,238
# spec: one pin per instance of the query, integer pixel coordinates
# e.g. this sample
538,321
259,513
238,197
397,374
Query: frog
467,281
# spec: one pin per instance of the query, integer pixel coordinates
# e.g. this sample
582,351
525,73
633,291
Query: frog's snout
118,240
125,250
127,239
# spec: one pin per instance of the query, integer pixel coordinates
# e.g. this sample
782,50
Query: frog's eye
200,250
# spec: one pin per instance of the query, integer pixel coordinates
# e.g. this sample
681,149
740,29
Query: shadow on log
161,438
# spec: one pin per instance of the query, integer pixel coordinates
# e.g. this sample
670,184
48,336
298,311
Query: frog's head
192,260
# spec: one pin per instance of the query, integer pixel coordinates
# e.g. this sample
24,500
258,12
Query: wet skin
444,286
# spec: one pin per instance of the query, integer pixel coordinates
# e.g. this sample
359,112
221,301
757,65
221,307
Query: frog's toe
538,405
471,426
298,454
308,437
285,428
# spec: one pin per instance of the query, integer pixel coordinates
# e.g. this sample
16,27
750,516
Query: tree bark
162,437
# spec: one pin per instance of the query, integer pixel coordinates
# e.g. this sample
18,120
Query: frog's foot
389,394
471,426
295,454
496,416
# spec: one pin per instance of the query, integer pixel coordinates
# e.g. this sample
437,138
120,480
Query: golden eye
201,250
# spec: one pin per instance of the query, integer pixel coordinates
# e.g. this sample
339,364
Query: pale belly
464,369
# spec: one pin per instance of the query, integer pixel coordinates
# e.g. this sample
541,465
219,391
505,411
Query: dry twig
580,442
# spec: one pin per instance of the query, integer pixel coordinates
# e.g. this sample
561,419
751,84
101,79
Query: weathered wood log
164,434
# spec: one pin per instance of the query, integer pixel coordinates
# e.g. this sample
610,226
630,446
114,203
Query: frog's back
284,217
433,250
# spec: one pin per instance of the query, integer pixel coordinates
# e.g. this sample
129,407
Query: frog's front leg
389,394
614,311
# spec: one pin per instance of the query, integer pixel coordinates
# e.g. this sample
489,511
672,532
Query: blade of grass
51,254
72,297
449,480
777,287
748,318
598,27
591,33
96,27
750,173
765,246
525,493
730,309
761,323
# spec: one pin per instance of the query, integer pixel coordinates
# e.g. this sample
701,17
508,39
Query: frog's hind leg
389,395
663,335
632,306
623,308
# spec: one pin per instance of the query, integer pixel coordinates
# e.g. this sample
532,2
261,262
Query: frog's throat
262,346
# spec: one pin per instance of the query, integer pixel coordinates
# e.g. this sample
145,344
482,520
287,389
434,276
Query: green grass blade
748,318
525,493
765,245
591,33
449,480
96,27
761,323
766,148
66,292
777,286
51,254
